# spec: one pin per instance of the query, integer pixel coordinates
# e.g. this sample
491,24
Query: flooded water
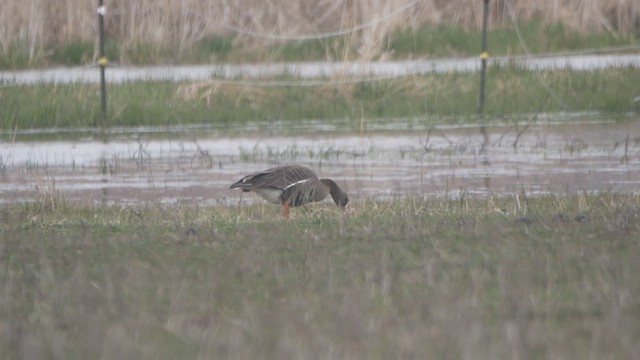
198,165
313,69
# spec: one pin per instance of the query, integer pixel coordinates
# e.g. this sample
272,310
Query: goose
291,186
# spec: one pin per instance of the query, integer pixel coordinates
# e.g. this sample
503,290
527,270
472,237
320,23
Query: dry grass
552,277
40,25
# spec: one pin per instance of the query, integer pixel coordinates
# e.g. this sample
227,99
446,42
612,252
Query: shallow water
312,69
198,166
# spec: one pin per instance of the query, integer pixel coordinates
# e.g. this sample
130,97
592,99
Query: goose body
291,186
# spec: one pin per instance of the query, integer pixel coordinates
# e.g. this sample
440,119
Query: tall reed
37,26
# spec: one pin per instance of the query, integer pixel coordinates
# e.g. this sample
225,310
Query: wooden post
484,56
102,62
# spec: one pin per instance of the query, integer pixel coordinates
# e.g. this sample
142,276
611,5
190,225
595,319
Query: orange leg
285,210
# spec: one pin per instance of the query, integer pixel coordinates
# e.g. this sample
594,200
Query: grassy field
453,96
549,277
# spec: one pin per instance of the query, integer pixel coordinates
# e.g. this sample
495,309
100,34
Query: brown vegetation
40,25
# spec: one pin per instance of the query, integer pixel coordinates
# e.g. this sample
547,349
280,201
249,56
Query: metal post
102,62
484,56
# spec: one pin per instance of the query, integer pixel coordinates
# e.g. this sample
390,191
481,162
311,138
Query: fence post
102,62
484,56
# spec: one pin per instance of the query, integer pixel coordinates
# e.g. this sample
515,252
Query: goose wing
281,177
304,191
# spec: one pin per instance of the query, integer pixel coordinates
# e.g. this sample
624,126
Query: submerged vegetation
454,95
493,277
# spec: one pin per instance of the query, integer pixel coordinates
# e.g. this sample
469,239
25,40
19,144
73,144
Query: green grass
481,278
436,41
540,38
213,49
75,53
509,91
17,55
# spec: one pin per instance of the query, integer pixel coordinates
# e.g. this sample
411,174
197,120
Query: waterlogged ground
197,165
313,69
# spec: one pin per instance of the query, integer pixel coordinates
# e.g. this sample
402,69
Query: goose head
339,197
